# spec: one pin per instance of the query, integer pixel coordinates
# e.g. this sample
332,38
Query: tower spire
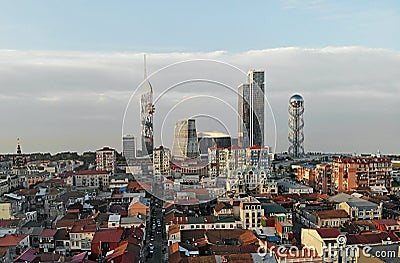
18,147
145,66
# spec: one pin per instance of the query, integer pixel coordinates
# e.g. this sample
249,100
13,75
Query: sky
68,68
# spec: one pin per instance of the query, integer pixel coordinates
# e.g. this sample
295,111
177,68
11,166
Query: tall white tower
296,125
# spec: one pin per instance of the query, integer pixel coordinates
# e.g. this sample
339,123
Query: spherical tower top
296,100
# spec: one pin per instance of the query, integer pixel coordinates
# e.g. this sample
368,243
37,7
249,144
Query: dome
296,98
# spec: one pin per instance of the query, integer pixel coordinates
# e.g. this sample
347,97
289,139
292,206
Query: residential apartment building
106,159
356,172
81,236
250,213
161,161
91,178
217,160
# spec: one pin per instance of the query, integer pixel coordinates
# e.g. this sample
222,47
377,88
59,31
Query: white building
114,221
161,161
106,159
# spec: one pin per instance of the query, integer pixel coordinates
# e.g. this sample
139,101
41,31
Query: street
155,234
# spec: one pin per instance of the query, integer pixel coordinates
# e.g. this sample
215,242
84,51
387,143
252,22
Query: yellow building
6,211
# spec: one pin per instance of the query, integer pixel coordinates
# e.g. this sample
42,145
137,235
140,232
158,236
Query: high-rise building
185,140
129,148
106,160
146,115
296,124
161,161
251,110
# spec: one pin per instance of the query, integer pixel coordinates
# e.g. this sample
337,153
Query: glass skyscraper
251,110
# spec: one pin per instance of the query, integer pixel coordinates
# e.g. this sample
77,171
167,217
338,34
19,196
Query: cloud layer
57,101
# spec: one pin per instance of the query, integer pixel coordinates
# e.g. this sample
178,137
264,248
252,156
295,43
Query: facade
249,178
320,238
251,110
106,160
332,218
284,227
205,222
324,182
47,240
251,213
186,144
89,178
81,236
258,156
129,147
296,125
306,174
267,186
236,157
161,161
356,172
362,209
217,160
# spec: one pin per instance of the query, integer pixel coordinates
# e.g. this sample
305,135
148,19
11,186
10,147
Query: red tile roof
328,232
28,255
371,238
84,228
89,172
332,214
11,240
387,222
108,236
48,233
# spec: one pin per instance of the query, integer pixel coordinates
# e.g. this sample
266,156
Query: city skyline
93,89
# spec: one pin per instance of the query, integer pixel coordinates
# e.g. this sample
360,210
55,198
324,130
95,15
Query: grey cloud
76,100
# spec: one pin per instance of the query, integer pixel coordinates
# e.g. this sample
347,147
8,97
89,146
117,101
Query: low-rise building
90,178
47,242
114,221
251,213
362,209
16,243
332,218
320,238
81,236
290,187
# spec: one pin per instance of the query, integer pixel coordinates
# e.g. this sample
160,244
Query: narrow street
155,234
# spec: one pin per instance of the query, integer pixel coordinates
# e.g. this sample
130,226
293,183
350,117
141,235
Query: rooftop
327,214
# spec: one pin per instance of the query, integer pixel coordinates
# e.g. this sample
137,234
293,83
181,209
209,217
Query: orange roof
48,232
11,240
137,204
173,248
137,186
173,229
332,214
84,228
90,172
